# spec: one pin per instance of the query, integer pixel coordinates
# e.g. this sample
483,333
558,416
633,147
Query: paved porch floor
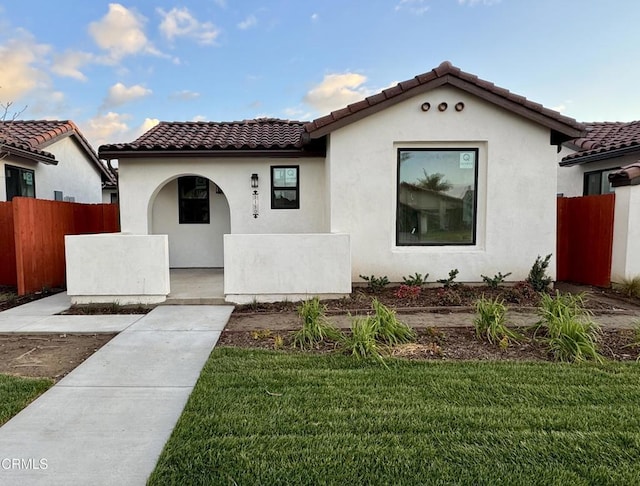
195,286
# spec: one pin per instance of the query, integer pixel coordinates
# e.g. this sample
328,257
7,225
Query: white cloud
184,95
179,22
121,33
119,94
108,128
147,125
416,7
199,118
69,63
250,21
337,91
22,60
315,17
473,3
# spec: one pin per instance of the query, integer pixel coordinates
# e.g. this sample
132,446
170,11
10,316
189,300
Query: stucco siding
516,213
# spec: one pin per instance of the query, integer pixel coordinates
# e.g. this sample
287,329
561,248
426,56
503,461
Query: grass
629,286
568,328
16,393
266,417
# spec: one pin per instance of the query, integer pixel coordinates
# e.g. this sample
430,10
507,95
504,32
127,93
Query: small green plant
450,282
375,283
278,342
315,326
569,331
538,277
495,282
260,334
416,280
388,329
361,342
490,322
629,286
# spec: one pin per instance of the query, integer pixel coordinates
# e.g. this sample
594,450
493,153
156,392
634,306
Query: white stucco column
625,261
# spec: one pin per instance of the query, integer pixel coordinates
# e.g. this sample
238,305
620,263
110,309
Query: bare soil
9,297
47,355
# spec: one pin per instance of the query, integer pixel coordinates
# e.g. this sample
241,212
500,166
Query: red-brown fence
585,239
32,238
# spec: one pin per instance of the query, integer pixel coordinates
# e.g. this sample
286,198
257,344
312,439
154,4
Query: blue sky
117,68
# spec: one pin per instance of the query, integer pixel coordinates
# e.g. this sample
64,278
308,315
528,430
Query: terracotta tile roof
445,73
629,175
29,138
263,134
602,138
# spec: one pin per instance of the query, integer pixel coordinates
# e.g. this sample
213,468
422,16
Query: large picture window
285,187
193,196
20,182
436,202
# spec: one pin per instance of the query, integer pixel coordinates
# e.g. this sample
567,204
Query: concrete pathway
107,421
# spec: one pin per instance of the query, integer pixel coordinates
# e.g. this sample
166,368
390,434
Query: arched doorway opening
194,212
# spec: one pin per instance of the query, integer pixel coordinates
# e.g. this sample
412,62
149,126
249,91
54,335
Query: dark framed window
597,182
437,196
285,187
193,200
19,182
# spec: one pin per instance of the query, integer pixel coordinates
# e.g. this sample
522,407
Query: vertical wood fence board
39,229
8,274
585,239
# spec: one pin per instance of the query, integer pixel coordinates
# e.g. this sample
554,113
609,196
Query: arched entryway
194,212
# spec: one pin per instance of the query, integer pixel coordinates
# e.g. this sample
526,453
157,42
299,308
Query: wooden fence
585,239
32,235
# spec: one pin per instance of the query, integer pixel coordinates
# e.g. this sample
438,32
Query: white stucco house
442,171
586,162
50,160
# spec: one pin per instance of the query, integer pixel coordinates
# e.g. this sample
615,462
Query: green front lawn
264,417
16,393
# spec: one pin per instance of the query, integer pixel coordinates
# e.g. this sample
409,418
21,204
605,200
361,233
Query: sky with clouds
117,68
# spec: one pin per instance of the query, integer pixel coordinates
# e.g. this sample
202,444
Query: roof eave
25,154
608,154
139,154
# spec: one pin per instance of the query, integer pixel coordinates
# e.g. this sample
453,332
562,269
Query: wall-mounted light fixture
254,196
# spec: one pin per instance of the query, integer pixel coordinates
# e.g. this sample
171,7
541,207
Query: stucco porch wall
625,259
269,268
117,267
516,199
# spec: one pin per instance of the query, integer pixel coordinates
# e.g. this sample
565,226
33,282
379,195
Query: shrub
495,282
315,326
375,283
388,329
410,292
570,333
362,342
447,296
538,277
521,292
450,281
629,286
490,322
415,280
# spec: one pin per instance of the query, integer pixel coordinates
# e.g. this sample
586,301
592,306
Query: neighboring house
49,160
586,162
292,209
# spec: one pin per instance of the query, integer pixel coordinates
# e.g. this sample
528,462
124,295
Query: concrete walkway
107,421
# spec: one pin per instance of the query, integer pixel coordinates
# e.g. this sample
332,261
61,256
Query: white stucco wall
625,260
191,245
517,182
140,180
268,268
115,267
75,174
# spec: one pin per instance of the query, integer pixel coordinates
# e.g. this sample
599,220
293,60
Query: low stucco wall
269,268
625,260
117,267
